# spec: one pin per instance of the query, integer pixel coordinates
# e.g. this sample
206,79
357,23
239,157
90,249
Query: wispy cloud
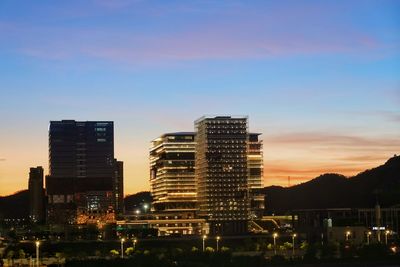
248,34
202,44
390,115
327,138
115,4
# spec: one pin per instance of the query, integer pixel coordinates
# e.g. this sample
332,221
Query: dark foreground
226,260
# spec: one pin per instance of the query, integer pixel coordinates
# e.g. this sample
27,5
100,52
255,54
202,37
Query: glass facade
172,181
256,171
81,177
222,173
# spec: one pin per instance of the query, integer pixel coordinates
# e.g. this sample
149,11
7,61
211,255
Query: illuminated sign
378,228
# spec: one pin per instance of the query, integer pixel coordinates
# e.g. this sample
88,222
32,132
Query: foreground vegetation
195,258
236,252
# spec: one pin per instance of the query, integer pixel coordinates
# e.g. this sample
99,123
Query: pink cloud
238,35
323,138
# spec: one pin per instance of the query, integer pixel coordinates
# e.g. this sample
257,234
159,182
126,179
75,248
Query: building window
101,129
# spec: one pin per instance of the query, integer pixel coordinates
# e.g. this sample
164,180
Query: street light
218,238
134,243
368,236
37,252
204,240
386,236
275,235
293,237
122,247
145,207
348,233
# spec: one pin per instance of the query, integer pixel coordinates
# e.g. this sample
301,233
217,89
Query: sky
319,79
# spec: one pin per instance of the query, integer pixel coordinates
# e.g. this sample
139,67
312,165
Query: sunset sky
319,79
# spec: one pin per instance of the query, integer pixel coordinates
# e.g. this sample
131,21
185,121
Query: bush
209,249
114,253
224,249
129,251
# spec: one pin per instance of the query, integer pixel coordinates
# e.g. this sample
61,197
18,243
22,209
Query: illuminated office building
173,186
222,173
255,178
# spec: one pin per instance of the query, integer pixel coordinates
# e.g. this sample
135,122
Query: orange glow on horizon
275,173
302,159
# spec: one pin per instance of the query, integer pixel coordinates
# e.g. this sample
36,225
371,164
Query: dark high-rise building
222,173
172,181
80,184
36,194
119,186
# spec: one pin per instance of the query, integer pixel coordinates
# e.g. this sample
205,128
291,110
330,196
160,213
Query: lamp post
386,236
204,242
145,207
37,252
347,235
218,238
275,235
293,237
368,237
122,247
134,243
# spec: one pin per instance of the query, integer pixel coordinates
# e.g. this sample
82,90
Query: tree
288,245
224,249
21,254
129,251
59,256
10,256
209,249
304,245
114,253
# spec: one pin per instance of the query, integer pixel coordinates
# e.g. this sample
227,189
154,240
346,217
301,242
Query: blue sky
319,79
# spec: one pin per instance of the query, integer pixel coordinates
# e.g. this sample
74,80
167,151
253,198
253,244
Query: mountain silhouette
326,191
15,206
331,190
136,201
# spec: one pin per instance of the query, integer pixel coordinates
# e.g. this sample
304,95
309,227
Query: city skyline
319,79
